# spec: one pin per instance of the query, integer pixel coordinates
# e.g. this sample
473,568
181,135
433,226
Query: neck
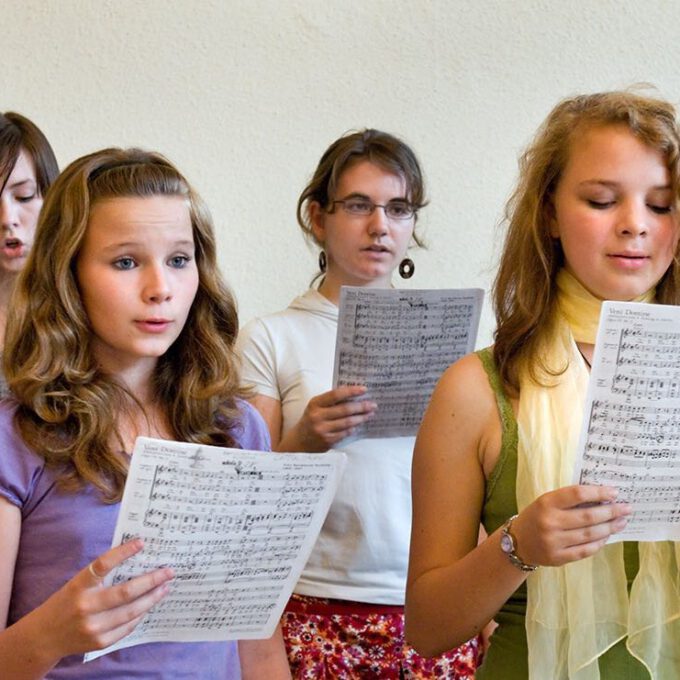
151,422
136,375
330,286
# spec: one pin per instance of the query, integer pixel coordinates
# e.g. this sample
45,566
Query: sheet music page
631,431
398,343
236,526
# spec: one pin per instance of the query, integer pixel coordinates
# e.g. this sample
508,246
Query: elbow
419,637
419,644
424,646
430,638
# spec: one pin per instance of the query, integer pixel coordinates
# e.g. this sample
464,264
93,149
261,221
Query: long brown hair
18,133
524,289
68,408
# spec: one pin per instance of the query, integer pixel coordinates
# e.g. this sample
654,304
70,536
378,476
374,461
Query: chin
12,267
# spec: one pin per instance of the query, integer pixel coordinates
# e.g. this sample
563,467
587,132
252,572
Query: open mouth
12,247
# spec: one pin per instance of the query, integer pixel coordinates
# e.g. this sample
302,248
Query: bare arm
264,658
81,616
455,587
327,419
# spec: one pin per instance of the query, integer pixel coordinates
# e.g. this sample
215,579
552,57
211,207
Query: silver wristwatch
509,547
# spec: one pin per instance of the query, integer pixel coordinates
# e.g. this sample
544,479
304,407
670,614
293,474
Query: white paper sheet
398,343
631,431
236,526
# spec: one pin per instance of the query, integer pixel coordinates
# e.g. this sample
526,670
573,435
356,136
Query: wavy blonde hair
68,408
524,291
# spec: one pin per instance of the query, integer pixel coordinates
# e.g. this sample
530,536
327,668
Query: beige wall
245,95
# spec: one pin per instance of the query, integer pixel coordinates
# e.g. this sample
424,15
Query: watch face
507,545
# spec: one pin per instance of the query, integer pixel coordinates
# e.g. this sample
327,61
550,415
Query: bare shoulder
465,374
463,404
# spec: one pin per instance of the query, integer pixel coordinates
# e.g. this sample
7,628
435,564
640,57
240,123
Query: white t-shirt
362,551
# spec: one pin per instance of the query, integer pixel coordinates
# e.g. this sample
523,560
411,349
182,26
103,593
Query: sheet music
398,343
631,432
236,526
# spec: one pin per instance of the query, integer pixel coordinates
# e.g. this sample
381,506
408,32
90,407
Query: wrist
510,548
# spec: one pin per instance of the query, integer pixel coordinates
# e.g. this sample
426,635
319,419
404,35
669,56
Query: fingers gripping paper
236,526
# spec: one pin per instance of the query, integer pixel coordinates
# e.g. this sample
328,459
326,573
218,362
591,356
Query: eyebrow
137,244
356,194
16,185
614,185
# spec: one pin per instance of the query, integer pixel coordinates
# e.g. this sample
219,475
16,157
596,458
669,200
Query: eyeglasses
363,207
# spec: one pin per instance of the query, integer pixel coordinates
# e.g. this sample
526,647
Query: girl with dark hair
345,619
27,168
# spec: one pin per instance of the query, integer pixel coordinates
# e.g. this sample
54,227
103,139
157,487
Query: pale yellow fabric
576,612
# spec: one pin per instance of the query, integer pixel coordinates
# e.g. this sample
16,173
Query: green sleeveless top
506,658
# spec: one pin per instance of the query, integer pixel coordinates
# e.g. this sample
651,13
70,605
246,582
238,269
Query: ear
551,218
554,229
317,221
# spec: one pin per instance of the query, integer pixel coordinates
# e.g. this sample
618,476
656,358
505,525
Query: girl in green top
593,218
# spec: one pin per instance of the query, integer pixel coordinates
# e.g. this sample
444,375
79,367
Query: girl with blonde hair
120,326
594,217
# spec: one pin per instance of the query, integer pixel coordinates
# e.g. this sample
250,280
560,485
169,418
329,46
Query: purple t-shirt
62,532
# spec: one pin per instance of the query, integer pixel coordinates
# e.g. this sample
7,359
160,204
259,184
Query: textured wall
245,95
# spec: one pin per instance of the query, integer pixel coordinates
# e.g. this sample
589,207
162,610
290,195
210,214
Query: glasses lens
399,210
357,206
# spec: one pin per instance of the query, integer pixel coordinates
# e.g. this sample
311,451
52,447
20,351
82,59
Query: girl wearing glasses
345,619
27,168
593,218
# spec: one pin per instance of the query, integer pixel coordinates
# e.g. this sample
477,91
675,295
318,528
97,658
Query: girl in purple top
120,326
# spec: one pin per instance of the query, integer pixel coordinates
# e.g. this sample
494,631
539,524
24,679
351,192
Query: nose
633,220
156,285
9,214
378,222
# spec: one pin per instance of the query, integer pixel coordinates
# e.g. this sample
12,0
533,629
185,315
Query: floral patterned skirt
341,640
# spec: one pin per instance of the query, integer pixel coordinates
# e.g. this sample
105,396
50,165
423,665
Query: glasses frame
342,201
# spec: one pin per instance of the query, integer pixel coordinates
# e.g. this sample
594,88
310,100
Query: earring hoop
406,268
323,262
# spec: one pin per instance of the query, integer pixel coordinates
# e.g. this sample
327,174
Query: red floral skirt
341,640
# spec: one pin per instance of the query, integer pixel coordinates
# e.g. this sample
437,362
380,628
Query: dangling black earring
406,268
322,261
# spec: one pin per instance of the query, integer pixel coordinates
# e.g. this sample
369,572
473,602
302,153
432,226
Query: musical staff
236,526
398,343
631,432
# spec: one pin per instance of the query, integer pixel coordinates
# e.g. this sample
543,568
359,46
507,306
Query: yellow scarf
578,611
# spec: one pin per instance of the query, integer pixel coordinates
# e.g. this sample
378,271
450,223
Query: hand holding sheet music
398,343
236,526
631,432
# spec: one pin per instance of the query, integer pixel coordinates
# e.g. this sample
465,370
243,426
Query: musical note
236,526
398,343
631,432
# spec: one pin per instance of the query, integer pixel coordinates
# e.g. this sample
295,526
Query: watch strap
511,550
